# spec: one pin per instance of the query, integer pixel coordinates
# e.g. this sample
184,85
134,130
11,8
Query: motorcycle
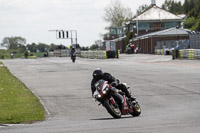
115,101
73,57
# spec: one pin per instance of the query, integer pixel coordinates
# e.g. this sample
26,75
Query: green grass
5,54
17,102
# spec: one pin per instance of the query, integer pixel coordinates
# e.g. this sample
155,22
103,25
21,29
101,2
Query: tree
52,47
42,47
186,6
94,47
84,48
99,43
173,6
189,22
116,14
32,47
196,26
13,42
142,8
192,9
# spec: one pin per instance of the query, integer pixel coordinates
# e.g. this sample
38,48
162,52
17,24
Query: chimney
153,2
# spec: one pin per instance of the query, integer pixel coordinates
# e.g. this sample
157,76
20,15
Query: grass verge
17,103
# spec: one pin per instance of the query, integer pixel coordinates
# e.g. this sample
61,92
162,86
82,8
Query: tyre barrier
190,54
159,51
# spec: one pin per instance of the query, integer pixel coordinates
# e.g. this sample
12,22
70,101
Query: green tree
26,54
189,22
13,42
173,6
186,6
128,37
52,47
94,47
32,47
192,9
84,48
196,26
42,47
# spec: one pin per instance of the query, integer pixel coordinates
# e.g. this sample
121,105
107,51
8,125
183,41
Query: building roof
168,32
118,39
156,13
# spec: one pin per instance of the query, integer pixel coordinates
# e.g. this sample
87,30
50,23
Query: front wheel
112,109
136,109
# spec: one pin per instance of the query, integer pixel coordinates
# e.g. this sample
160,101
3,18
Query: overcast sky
32,19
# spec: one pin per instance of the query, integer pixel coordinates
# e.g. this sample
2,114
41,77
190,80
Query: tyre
112,110
136,109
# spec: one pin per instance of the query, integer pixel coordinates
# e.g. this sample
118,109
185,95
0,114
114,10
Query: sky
33,19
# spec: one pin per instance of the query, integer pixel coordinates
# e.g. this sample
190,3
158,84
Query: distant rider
98,74
73,52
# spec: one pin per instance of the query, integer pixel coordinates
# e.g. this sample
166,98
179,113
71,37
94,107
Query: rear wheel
136,109
112,109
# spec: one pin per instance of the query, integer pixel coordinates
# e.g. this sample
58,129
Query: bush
26,54
2,57
31,54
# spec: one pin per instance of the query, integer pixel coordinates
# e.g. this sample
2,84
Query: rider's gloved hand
117,81
114,84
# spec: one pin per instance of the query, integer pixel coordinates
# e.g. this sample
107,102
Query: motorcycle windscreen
99,84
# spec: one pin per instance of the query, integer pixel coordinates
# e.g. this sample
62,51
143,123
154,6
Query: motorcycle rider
98,74
73,53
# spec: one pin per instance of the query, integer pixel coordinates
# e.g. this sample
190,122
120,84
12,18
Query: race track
168,92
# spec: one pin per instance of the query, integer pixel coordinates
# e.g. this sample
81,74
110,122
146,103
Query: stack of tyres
190,53
185,56
110,54
197,54
162,51
157,51
181,52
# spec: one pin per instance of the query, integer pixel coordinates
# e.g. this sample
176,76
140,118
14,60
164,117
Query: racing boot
130,97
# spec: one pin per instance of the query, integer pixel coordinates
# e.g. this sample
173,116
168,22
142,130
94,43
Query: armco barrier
94,54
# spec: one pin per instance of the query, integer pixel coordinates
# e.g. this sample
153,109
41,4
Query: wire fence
195,41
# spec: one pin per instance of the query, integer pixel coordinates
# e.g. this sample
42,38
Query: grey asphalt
168,92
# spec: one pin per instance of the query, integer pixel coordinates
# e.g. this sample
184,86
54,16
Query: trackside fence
94,54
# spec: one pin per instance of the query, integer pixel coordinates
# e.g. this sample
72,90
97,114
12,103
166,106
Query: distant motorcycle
73,57
115,101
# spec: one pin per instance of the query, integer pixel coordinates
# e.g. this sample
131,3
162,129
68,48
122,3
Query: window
143,26
113,31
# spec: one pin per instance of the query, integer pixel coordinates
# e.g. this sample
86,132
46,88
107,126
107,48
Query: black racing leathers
111,80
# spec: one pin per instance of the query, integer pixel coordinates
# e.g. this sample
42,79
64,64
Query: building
114,40
148,43
114,32
152,20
